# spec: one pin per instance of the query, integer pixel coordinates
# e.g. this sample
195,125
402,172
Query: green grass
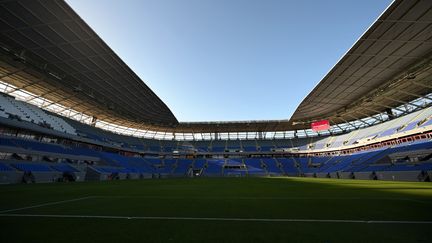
261,198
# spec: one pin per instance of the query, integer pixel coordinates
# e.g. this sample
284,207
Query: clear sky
221,60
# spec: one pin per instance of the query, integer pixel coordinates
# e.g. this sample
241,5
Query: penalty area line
218,219
45,204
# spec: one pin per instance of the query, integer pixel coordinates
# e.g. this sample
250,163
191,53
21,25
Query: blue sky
222,60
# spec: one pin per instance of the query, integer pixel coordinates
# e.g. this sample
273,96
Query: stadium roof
388,66
47,49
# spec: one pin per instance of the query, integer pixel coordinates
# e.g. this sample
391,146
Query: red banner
320,125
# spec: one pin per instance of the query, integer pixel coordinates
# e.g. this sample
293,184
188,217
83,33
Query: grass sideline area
217,210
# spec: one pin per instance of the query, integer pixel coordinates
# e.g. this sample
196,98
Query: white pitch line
45,204
219,219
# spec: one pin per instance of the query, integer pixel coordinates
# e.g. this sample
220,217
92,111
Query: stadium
89,153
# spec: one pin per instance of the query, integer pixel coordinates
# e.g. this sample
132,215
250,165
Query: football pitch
217,210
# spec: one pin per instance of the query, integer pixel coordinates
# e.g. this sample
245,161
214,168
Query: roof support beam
404,21
40,25
396,40
377,55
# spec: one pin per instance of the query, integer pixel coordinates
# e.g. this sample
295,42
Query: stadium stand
383,130
113,165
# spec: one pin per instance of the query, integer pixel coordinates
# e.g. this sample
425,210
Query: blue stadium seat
214,167
4,167
288,165
63,168
32,167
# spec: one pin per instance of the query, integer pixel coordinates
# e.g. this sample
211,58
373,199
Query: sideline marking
46,204
207,198
219,219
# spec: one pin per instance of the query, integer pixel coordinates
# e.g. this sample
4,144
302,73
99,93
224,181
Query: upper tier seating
249,145
27,112
32,145
398,126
